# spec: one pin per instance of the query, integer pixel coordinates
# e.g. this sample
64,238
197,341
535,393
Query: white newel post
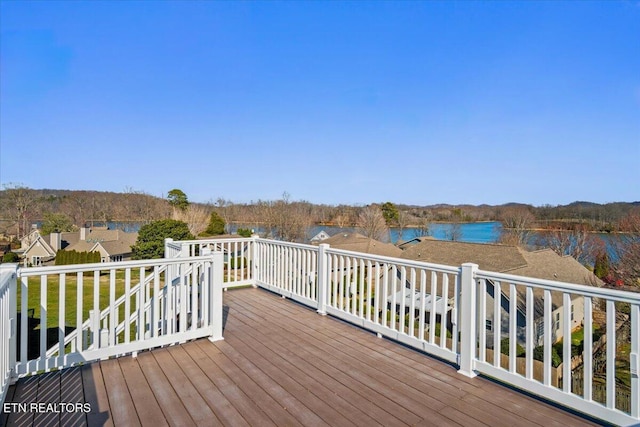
468,320
323,286
184,251
255,260
635,360
12,270
166,246
215,295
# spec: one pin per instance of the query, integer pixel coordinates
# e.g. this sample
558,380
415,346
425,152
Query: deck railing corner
8,326
467,318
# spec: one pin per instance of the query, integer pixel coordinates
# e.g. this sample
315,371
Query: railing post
184,250
166,246
323,285
255,257
468,326
215,296
11,269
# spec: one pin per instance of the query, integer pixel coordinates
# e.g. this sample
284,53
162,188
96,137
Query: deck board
71,390
96,395
166,396
120,399
146,406
281,364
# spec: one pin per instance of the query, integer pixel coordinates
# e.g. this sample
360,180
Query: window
572,309
36,260
557,322
541,329
489,324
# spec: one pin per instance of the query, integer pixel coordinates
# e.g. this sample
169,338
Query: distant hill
24,206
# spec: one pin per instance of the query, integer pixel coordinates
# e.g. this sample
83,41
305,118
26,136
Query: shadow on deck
279,364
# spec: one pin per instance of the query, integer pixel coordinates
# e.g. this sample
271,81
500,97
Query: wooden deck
280,364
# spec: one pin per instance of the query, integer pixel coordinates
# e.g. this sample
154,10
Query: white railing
288,269
504,326
533,314
455,313
238,256
7,326
407,301
116,308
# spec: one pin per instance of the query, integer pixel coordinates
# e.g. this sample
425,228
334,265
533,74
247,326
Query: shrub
556,359
237,262
215,227
150,243
504,348
244,232
64,257
10,257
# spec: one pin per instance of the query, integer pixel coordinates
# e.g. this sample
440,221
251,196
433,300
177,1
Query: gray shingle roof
492,257
359,243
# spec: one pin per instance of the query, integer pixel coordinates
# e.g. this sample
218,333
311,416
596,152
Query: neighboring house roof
546,264
82,246
542,264
414,241
40,247
113,242
68,238
322,235
491,257
358,243
28,239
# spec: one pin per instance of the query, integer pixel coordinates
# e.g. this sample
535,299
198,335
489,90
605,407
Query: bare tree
577,242
453,231
196,217
21,199
517,223
627,249
371,223
423,227
402,221
286,220
343,216
224,209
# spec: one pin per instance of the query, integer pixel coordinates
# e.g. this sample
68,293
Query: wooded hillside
21,206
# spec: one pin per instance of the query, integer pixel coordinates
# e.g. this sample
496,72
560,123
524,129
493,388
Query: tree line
567,229
20,206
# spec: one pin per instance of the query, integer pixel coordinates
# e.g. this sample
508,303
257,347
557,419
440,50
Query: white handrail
188,303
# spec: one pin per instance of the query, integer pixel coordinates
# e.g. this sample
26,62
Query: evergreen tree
56,223
178,199
215,227
390,213
150,243
602,266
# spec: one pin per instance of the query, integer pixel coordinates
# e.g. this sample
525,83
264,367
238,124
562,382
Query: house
542,264
113,245
322,235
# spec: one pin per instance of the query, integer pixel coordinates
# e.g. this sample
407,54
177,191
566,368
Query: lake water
474,232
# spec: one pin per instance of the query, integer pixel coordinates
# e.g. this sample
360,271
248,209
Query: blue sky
332,102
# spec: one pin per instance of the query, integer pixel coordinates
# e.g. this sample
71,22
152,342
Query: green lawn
71,295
